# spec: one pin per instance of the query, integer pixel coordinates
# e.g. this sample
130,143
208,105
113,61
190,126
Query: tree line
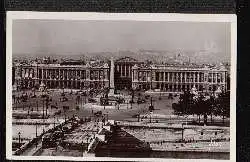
202,105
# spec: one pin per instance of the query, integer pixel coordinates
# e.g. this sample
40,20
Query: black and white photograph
120,86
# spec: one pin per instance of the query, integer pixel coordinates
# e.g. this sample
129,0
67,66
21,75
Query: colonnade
178,80
58,77
125,70
74,78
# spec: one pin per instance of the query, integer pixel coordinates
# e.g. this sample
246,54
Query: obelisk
111,83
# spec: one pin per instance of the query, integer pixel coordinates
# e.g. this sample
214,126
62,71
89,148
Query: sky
66,37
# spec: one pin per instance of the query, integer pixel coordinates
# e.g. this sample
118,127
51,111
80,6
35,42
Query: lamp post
36,129
54,121
43,108
82,147
46,104
64,116
19,139
182,132
150,118
81,102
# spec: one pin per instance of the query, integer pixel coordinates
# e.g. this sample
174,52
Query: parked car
170,96
65,108
139,101
54,107
92,100
33,96
135,116
98,113
64,99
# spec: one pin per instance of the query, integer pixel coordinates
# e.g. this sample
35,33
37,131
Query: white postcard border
14,15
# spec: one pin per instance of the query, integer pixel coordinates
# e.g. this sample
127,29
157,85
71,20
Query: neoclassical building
123,72
128,73
176,78
68,75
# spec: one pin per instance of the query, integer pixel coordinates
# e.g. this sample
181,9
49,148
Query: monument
111,83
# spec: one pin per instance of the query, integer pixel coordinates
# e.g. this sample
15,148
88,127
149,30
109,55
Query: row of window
172,77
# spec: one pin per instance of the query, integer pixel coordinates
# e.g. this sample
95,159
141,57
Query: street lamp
43,108
54,121
36,129
82,147
19,139
182,132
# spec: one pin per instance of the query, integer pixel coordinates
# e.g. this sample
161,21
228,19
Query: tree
212,106
133,95
223,102
185,104
202,107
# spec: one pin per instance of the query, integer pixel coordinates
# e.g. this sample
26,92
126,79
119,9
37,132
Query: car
44,95
98,113
92,100
34,96
65,107
135,116
53,106
58,112
64,99
170,96
139,101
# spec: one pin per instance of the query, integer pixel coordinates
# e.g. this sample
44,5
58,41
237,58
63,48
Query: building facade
128,73
61,76
178,78
123,72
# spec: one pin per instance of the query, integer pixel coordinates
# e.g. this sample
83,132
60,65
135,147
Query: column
132,75
125,69
62,78
181,77
48,76
185,77
59,78
168,77
24,72
164,77
121,70
216,77
223,77
129,70
117,68
193,77
67,74
63,73
42,73
72,76
198,77
45,72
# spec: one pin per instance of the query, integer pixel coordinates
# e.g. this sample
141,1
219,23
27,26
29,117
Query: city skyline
43,37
